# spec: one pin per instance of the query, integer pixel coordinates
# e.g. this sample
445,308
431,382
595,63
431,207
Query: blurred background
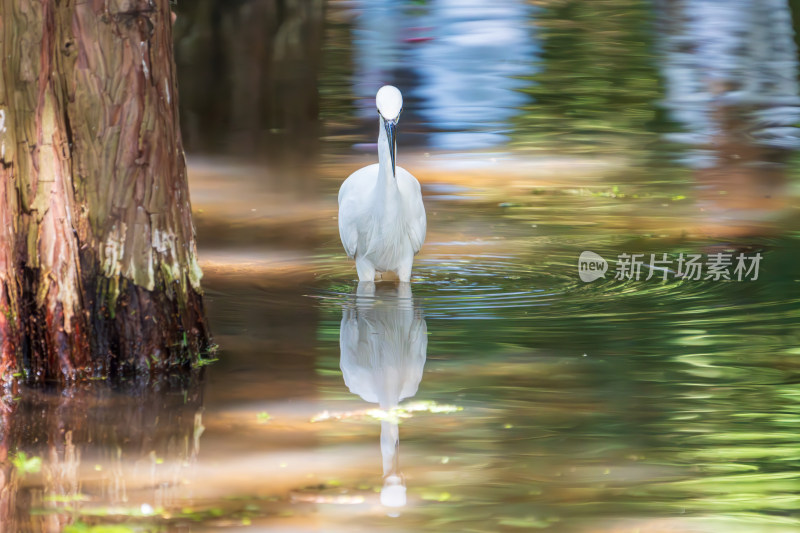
700,95
514,397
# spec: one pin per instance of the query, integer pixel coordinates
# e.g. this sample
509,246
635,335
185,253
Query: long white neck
386,179
390,442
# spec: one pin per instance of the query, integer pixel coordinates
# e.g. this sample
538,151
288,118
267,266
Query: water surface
497,392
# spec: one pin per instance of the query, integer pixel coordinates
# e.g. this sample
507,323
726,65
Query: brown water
499,392
527,399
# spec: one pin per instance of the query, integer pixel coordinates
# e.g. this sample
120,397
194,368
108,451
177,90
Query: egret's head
393,493
389,102
390,105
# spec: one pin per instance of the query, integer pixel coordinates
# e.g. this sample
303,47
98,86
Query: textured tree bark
98,269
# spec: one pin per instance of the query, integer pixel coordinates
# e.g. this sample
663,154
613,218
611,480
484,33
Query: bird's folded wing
348,230
416,223
417,227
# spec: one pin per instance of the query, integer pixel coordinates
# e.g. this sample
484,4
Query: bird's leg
365,269
404,290
366,288
404,271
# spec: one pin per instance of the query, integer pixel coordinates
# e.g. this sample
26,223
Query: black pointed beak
391,136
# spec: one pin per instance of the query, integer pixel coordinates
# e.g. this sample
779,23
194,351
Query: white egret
381,215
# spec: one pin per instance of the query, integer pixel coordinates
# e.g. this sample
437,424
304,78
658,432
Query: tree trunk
98,269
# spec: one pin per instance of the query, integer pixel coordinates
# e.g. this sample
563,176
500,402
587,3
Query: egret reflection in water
383,341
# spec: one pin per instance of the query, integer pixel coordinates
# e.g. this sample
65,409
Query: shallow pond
499,391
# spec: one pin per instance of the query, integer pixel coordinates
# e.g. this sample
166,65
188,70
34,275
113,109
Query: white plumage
382,220
383,341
